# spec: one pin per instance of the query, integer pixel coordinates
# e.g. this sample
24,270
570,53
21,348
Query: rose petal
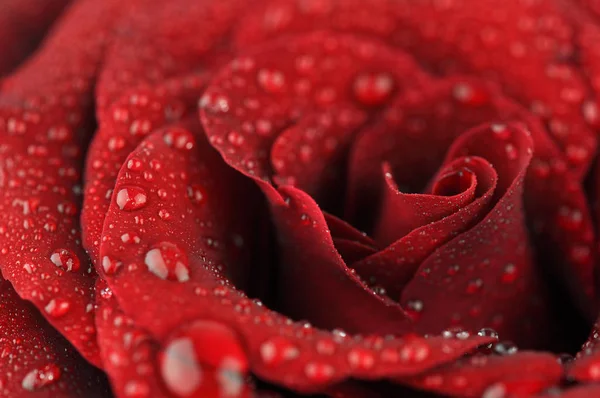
22,25
546,81
340,229
276,346
121,128
43,119
128,352
396,265
586,366
309,96
351,250
519,375
36,360
508,295
453,188
555,203
441,36
159,41
313,270
585,391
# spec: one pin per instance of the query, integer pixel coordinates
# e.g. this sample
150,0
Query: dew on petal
373,89
131,198
167,261
277,350
65,259
41,377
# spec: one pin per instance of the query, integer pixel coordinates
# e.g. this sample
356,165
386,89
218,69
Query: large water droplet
203,357
110,266
65,259
57,307
40,377
131,198
167,261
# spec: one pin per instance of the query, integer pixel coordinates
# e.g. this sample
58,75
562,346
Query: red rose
337,197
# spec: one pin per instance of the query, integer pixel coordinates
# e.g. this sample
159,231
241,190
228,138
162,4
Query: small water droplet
360,358
414,350
569,219
488,332
470,95
505,348
319,372
414,308
373,88
474,286
179,139
509,275
277,350
591,113
326,346
272,81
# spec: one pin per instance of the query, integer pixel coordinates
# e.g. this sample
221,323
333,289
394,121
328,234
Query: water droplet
110,266
179,139
65,259
511,151
501,131
167,261
305,219
569,219
319,372
130,237
414,308
488,332
57,307
140,127
137,389
235,138
474,286
131,198
198,351
470,95
505,348
272,81
414,350
326,347
360,358
373,88
577,154
591,113
38,378
496,390
564,358
509,275
277,350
